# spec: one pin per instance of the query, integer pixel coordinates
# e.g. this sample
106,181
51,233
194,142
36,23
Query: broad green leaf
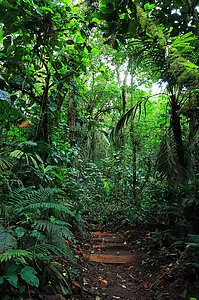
50,168
85,51
102,68
75,9
72,23
1,36
95,51
20,231
149,6
123,16
28,275
59,176
96,20
10,267
80,40
12,279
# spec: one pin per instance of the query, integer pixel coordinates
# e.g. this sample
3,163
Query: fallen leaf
68,242
85,281
75,284
131,267
146,285
170,265
102,280
97,298
116,297
123,286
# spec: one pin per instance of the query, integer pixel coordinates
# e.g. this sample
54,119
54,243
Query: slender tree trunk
134,162
133,141
92,147
176,128
72,118
43,132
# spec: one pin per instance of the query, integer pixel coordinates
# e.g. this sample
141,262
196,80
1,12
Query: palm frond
5,164
130,113
167,161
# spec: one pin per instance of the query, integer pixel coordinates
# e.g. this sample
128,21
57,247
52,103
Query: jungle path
111,261
126,266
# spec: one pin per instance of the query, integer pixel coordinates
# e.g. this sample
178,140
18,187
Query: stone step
108,239
99,233
112,259
113,246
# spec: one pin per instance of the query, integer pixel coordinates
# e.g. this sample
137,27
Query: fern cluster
35,222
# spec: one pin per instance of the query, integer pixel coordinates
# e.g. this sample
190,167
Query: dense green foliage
99,107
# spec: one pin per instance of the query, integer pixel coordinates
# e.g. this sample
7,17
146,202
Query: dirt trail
115,266
110,261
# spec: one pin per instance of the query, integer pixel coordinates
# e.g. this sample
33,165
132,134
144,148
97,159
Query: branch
29,93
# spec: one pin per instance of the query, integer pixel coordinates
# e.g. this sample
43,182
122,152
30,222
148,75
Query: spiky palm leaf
130,113
167,161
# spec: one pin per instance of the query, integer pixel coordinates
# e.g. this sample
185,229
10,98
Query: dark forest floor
153,273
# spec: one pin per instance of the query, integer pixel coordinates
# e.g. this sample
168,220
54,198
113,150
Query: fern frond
26,196
52,228
47,205
14,254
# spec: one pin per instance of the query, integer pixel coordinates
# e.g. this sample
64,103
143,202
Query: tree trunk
176,129
133,140
43,133
72,118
